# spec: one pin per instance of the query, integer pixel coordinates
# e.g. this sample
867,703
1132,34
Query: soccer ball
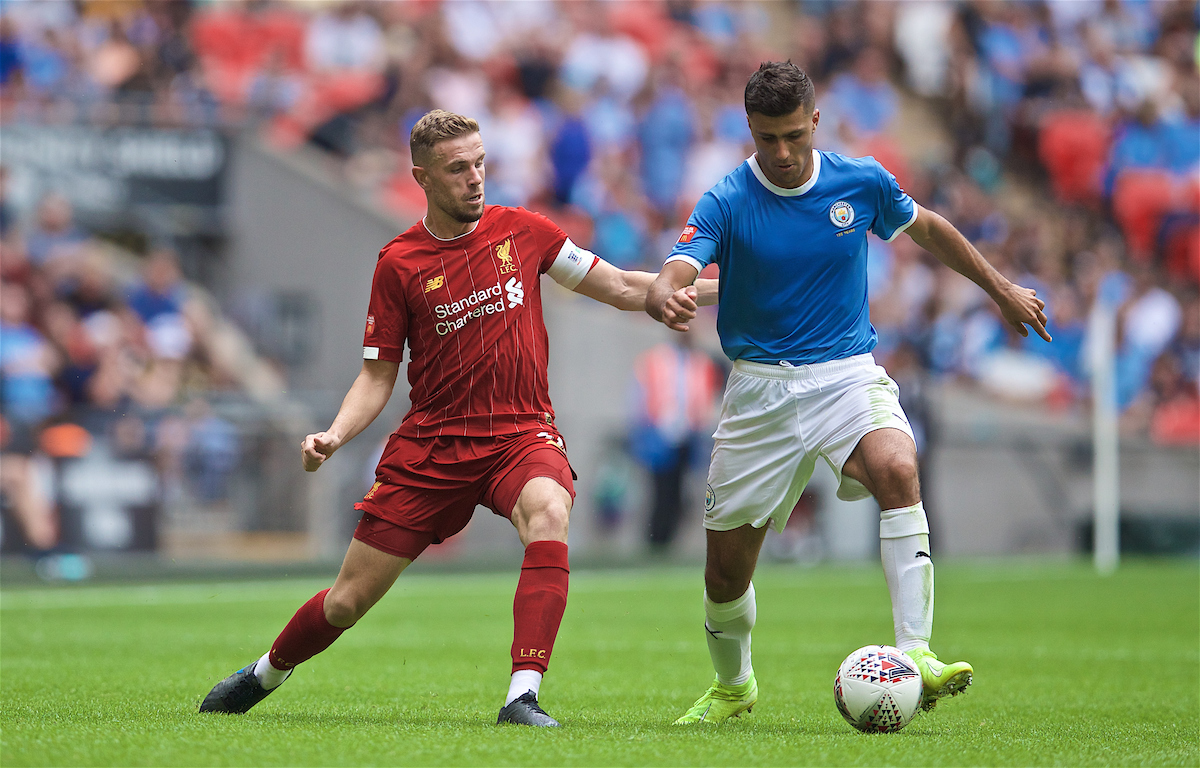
878,689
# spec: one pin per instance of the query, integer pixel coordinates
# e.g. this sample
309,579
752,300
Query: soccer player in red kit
462,288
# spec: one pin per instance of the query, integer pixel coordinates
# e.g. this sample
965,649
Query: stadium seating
1073,146
1142,197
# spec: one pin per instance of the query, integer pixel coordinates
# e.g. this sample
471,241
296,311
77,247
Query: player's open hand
680,308
1021,307
315,449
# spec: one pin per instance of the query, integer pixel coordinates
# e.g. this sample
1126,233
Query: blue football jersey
794,261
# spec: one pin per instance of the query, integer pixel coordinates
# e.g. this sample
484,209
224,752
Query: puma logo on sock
923,554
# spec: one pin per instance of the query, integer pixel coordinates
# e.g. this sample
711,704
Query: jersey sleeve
564,261
548,236
897,210
698,243
387,315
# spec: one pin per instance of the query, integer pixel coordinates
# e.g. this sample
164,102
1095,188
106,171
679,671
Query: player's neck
444,227
805,175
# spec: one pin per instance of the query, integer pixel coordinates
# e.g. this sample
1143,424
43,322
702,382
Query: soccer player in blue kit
788,230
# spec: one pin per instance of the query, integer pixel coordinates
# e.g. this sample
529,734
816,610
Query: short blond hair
437,125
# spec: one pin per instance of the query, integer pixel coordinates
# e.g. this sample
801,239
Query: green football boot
939,679
722,702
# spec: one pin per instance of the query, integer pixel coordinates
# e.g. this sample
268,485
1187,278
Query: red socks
539,604
306,635
538,609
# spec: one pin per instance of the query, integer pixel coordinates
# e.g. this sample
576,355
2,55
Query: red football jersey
470,310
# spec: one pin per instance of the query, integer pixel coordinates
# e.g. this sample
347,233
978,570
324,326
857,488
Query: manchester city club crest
841,214
710,499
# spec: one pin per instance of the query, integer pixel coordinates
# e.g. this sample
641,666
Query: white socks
523,680
728,627
904,549
267,674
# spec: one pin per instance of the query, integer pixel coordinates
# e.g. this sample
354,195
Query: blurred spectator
610,121
570,146
862,98
516,148
27,398
720,147
600,53
27,363
159,300
344,38
54,233
676,392
116,64
75,348
666,131
922,39
10,55
45,66
211,453
1169,409
1142,141
160,290
91,287
612,197
1149,319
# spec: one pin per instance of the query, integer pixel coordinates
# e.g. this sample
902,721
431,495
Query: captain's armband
572,265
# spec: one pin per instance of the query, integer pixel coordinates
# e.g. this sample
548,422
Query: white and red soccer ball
878,689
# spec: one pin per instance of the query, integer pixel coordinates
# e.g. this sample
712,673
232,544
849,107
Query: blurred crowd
108,355
1061,136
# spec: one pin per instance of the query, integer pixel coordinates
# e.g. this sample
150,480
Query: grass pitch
1071,669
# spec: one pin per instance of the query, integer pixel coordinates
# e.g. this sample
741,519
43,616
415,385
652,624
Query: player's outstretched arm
672,298
627,289
1020,306
367,396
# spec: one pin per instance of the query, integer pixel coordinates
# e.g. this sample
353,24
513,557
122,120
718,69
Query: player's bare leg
366,576
541,517
885,462
729,614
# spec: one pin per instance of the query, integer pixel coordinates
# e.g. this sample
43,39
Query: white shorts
776,420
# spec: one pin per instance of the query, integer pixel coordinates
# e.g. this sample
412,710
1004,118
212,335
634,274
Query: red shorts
427,488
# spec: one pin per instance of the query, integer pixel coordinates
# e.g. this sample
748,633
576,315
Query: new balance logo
516,292
434,283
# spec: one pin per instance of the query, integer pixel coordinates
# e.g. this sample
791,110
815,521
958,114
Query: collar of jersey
449,239
781,191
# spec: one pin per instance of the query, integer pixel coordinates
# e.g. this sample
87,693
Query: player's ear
816,117
421,175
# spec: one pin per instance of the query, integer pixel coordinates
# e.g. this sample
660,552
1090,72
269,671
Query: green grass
1071,669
